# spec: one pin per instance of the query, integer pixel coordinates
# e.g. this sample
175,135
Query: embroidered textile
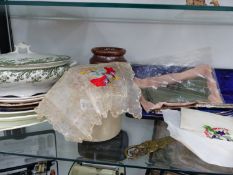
86,94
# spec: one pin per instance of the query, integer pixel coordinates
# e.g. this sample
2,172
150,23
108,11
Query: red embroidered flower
108,74
109,70
102,81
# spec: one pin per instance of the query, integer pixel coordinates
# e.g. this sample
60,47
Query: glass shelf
177,5
113,12
68,151
162,12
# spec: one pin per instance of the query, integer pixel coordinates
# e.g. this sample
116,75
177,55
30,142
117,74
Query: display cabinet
5,31
145,29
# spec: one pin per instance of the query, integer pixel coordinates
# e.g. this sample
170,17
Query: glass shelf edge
121,20
118,5
118,164
78,160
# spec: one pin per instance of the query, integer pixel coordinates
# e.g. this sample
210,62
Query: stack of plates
13,103
24,73
18,112
14,120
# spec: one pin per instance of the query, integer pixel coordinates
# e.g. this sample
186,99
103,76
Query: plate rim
21,99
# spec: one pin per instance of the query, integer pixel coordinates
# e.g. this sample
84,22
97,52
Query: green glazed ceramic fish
147,147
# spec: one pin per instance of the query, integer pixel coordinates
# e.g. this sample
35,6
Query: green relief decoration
25,61
186,91
33,75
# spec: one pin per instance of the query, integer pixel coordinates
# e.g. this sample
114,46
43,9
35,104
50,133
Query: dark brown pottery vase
107,54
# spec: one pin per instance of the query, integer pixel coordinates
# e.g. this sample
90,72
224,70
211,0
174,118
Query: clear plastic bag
185,59
177,81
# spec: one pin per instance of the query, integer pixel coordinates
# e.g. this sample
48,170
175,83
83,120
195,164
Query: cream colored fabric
85,95
194,120
212,151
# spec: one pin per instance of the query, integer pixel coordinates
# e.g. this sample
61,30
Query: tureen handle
24,47
73,63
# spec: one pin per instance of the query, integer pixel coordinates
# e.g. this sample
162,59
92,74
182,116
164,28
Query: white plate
23,124
16,115
17,118
22,104
17,108
30,99
17,112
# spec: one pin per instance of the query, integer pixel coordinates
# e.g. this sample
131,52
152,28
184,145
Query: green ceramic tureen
24,73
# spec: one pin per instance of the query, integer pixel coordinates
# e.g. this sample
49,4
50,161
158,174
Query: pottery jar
107,54
110,126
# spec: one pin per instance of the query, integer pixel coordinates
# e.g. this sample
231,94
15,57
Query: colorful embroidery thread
101,77
217,133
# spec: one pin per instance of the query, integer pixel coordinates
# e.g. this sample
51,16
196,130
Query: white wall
143,41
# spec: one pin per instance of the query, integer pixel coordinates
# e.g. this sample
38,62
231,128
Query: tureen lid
24,57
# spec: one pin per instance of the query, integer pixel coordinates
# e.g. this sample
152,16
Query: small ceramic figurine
195,2
147,147
201,2
215,2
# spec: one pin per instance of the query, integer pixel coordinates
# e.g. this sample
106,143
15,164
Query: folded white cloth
212,151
